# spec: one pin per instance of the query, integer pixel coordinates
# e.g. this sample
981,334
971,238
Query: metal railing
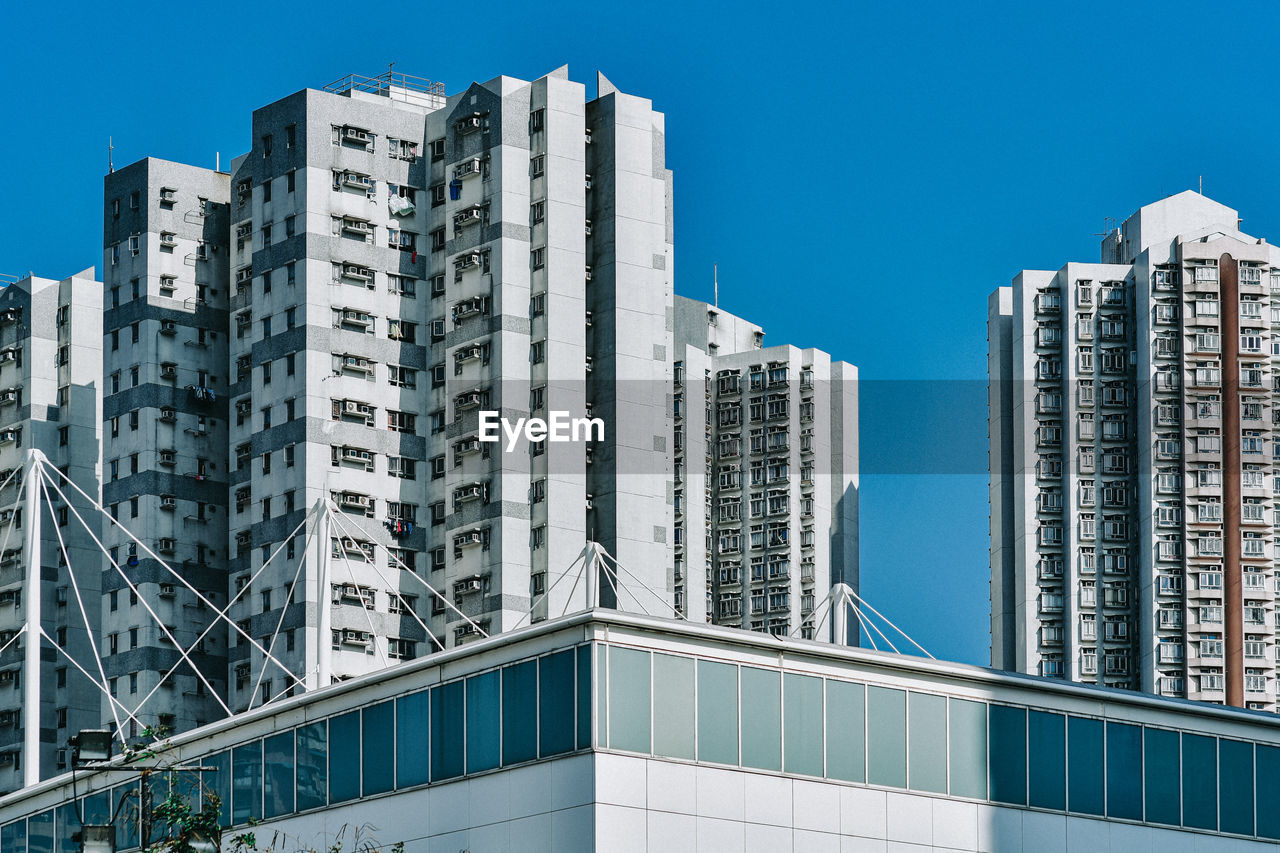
392,84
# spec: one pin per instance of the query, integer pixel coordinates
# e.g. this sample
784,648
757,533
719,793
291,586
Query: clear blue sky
864,174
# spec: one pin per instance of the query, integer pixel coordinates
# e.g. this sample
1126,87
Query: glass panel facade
717,712
927,758
1085,762
218,781
1124,771
484,721
446,731
246,782
761,718
802,724
967,748
68,823
1235,771
846,731
312,778
520,712
277,759
413,739
344,757
584,697
1047,758
556,703
887,737
629,700
40,833
1160,760
673,706
1199,781
1008,751
377,754
13,837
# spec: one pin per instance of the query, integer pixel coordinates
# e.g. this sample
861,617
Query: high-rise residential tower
1133,461
50,370
326,322
766,475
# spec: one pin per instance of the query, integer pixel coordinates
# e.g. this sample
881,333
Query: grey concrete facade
766,475
381,265
165,471
1133,461
50,399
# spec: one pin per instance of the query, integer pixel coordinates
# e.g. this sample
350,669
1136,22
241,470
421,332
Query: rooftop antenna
111,166
1202,185
716,275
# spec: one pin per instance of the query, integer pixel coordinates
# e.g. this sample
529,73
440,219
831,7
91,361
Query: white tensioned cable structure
44,486
835,607
591,565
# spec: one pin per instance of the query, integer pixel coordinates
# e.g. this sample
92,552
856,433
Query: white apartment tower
50,369
766,475
1133,461
326,321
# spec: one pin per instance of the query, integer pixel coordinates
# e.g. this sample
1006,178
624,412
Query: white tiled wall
666,807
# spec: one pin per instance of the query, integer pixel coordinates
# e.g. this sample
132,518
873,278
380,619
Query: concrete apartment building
326,321
50,375
165,381
1133,462
766,474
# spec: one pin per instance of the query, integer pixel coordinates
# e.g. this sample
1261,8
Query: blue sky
863,174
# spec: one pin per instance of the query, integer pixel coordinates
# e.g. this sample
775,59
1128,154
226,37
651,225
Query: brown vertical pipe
1233,581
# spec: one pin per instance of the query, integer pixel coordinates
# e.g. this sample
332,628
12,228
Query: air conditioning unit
357,272
355,454
244,229
469,400
353,317
11,315
471,584
8,597
355,179
167,590
355,226
8,355
168,240
468,308
168,371
168,414
468,353
356,134
8,676
168,502
472,492
467,168
8,436
468,216
8,718
470,123
470,259
243,275
9,396
471,537
467,445
355,407
166,546
351,499
354,637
